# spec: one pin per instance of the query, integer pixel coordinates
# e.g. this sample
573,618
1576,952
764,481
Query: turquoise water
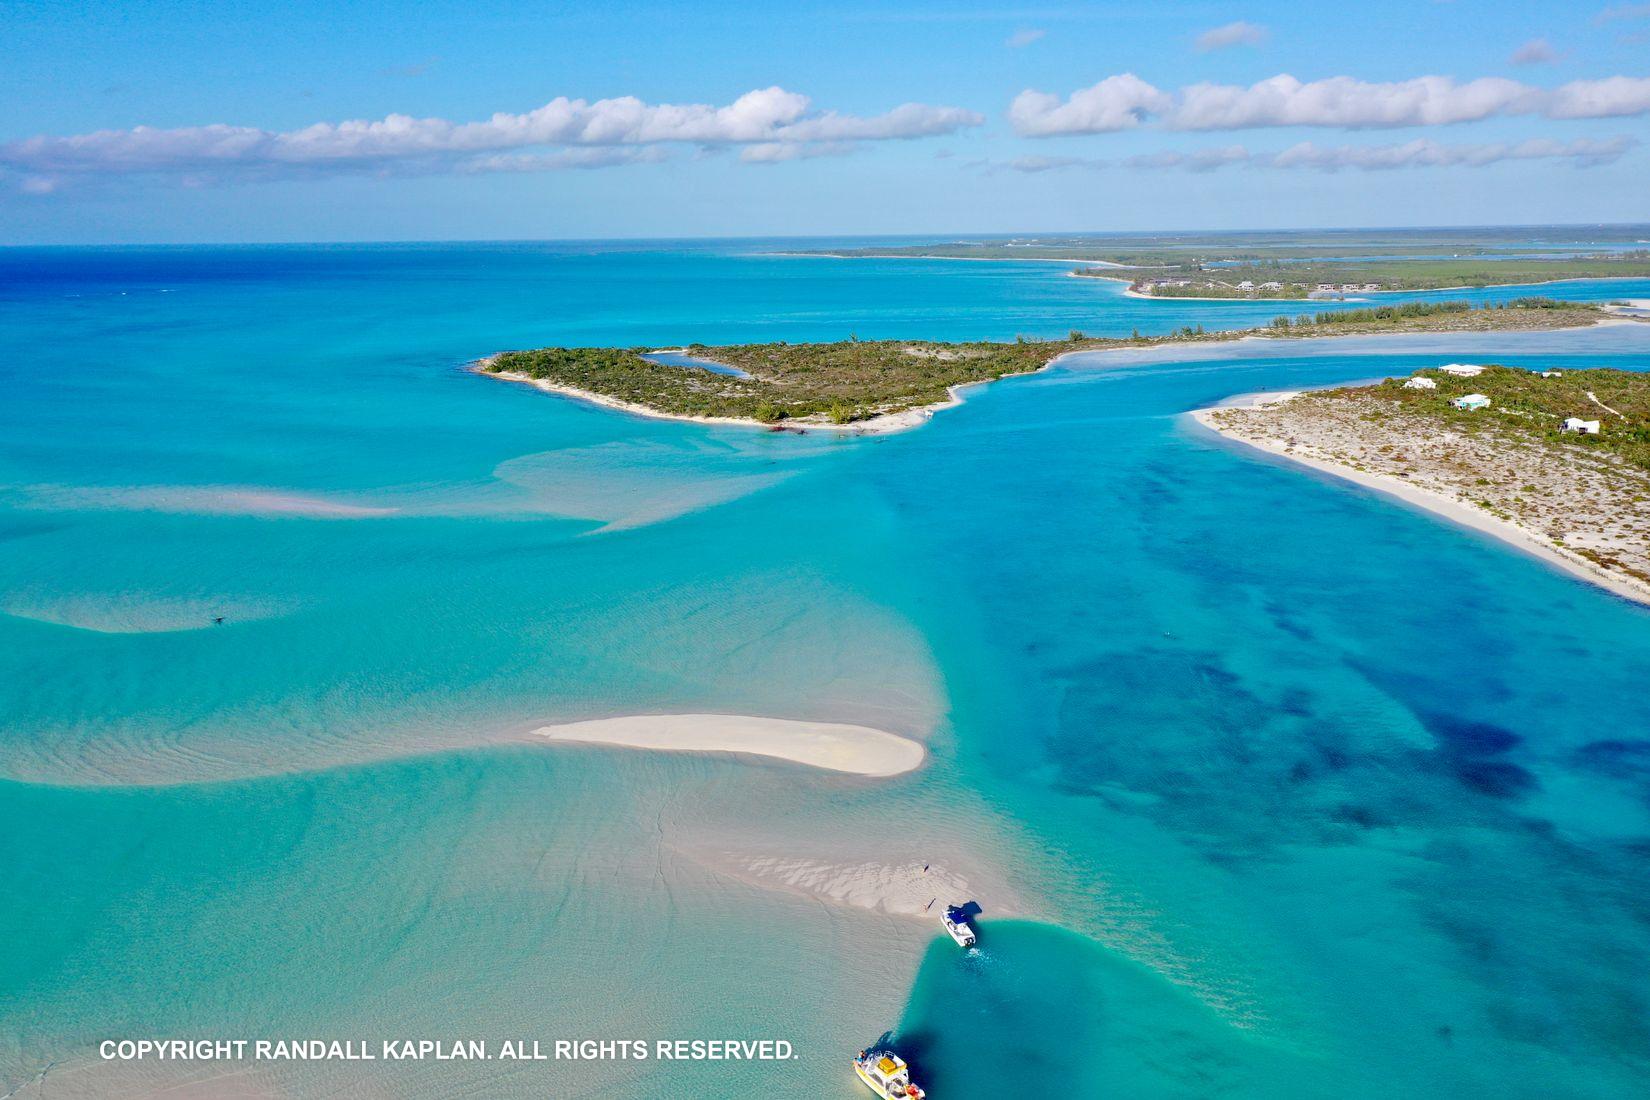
1296,792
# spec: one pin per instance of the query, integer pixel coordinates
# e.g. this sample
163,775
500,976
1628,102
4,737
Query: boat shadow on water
1037,1003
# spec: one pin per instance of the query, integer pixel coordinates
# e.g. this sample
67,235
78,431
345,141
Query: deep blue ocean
1271,786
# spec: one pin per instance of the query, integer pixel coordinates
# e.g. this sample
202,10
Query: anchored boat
955,919
886,1074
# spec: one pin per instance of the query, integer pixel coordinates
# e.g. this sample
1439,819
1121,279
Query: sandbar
834,746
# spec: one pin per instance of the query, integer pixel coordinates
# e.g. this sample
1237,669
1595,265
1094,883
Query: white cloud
1612,97
400,142
1232,34
1124,102
1023,37
1116,103
1537,51
1344,102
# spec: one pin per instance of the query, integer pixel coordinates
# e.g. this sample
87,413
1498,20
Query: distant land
886,385
1328,264
1300,244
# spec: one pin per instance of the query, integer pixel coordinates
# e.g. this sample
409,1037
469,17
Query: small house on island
1552,374
1420,384
1472,402
1577,426
1462,370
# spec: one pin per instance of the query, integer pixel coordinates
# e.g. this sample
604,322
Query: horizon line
705,238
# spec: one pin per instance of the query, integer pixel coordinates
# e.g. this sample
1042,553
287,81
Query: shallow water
689,362
1299,773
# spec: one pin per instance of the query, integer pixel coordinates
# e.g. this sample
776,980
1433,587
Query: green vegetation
855,380
1521,307
840,383
1302,278
1525,404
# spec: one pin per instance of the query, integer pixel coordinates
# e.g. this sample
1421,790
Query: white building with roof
1420,384
1577,426
1462,370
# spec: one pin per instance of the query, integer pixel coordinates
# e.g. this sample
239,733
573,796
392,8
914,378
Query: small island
886,385
1557,461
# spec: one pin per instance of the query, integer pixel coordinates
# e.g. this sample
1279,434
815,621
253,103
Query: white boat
886,1074
955,919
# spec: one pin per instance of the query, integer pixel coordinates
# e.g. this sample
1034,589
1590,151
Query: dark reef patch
1467,737
1615,756
1496,778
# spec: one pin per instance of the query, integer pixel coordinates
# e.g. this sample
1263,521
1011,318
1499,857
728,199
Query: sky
239,121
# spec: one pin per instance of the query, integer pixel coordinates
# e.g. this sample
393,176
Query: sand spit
963,259
219,500
1436,482
1215,298
909,888
1637,309
833,746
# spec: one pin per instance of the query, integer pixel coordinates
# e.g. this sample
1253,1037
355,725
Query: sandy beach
1438,503
857,750
964,259
1213,298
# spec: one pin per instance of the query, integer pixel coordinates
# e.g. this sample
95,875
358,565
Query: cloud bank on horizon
713,119
773,125
768,125
1125,102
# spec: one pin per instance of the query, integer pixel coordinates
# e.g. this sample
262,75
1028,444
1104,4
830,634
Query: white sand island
859,750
